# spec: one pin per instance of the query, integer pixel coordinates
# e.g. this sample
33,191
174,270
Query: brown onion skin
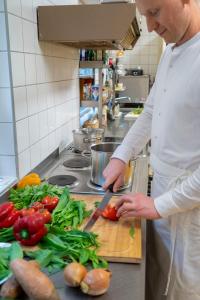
74,274
96,282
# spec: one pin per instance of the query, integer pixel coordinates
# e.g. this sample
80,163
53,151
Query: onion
96,282
74,274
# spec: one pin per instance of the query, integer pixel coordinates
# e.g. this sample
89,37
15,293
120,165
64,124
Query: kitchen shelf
93,64
89,103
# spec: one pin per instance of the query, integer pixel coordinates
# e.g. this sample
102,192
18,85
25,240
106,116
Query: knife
97,213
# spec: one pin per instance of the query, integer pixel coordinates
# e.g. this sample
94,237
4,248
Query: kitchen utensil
84,138
101,154
97,213
116,244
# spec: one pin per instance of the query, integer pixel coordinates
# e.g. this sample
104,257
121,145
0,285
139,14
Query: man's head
174,20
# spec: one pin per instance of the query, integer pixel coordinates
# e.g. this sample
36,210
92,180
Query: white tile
18,69
15,33
6,114
50,95
3,39
8,166
30,68
35,11
24,161
52,141
14,7
144,59
40,68
51,119
58,136
49,69
4,74
43,121
20,102
22,135
7,139
42,96
32,100
34,133
35,155
27,9
1,5
44,148
153,59
28,36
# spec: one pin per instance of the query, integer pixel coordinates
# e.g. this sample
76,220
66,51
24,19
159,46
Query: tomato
27,212
46,215
37,205
50,202
110,213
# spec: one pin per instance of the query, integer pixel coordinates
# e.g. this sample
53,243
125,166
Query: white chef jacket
171,118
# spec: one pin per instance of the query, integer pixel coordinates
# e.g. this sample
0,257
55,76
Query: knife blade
97,213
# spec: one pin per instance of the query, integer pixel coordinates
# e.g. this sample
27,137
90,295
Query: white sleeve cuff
122,152
165,205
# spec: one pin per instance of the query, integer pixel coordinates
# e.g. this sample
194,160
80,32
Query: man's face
168,18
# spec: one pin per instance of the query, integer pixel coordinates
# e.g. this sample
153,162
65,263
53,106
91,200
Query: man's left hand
136,205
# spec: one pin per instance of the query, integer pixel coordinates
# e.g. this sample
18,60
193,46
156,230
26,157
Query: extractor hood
100,26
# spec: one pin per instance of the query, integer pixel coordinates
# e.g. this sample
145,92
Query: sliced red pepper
110,213
46,215
9,220
29,230
5,209
27,211
37,205
50,202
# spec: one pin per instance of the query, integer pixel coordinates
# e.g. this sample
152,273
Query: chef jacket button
164,90
171,66
159,114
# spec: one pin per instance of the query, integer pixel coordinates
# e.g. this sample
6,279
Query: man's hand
136,205
114,172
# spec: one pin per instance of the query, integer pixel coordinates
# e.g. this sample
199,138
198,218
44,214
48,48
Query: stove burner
77,163
63,180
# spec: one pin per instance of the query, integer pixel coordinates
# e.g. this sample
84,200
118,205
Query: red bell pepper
50,202
110,213
5,209
10,219
29,230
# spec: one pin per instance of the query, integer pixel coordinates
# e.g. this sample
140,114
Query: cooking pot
101,155
84,138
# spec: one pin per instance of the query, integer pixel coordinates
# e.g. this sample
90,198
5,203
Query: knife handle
110,188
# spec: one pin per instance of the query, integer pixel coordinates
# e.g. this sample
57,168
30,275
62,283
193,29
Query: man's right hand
114,172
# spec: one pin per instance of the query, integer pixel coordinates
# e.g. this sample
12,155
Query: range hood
100,26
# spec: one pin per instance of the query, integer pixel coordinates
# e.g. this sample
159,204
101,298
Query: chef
171,119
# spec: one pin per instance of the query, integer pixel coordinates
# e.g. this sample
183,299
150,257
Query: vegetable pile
46,215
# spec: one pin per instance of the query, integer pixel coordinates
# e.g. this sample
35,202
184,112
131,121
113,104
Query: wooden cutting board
117,245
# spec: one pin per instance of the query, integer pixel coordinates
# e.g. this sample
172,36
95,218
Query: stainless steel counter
118,128
128,280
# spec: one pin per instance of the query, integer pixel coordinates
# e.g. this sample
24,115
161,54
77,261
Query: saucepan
85,137
100,156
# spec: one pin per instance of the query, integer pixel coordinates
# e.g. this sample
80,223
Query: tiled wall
39,97
146,52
